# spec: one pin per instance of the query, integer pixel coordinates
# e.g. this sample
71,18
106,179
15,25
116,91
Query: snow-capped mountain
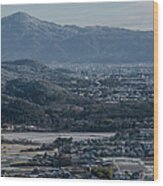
24,36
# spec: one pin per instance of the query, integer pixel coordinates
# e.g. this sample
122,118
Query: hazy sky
133,15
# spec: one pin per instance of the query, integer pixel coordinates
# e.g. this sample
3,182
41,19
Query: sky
133,15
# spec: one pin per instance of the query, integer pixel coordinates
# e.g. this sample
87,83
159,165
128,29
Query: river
47,137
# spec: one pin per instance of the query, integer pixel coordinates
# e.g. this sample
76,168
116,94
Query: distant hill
33,94
24,36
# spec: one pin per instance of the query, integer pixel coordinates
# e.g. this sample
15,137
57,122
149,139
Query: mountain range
27,37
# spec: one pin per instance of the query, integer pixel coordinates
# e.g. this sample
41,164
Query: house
7,127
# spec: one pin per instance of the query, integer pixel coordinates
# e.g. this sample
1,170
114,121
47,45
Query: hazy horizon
130,15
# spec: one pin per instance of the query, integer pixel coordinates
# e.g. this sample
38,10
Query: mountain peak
20,17
20,14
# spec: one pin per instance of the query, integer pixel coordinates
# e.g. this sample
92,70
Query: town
113,98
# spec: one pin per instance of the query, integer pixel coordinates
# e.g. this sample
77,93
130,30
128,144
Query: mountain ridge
24,36
24,14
